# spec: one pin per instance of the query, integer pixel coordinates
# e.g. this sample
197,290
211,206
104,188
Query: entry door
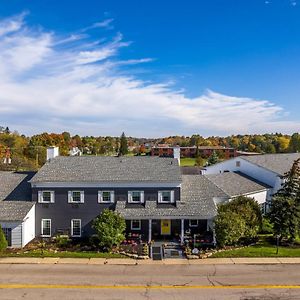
165,227
7,234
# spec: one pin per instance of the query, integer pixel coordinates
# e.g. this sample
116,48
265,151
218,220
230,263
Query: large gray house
149,192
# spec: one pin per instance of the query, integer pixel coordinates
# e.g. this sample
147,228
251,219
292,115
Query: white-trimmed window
76,227
193,223
46,196
135,225
46,228
166,197
106,196
136,196
76,196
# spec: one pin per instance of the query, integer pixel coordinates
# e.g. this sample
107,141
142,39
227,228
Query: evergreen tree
285,209
213,159
3,242
291,183
123,150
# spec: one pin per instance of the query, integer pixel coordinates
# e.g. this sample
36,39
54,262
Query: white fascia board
106,185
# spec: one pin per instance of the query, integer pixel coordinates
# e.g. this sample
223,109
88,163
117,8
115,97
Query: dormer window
136,197
166,197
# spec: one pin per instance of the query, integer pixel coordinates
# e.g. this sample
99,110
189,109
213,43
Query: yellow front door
165,227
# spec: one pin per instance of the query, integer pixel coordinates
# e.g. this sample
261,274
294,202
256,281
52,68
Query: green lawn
187,162
262,249
66,254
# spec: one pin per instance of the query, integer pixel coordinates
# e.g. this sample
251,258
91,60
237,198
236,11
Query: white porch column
150,231
182,231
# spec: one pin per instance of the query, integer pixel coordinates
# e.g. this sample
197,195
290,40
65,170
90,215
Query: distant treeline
30,152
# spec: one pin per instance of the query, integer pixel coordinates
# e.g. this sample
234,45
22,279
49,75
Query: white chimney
176,153
52,152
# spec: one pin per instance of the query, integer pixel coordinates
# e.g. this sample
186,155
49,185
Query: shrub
267,227
110,227
239,219
229,227
3,241
62,241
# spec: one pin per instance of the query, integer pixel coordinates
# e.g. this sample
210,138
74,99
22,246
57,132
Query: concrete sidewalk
126,261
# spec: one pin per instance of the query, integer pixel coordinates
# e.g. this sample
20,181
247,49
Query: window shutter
112,196
70,196
82,197
52,199
40,196
159,197
172,197
129,196
142,197
100,197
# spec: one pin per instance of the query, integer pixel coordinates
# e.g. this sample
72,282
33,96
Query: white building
17,211
267,169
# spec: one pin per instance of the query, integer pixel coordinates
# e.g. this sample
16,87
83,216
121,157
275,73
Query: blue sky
150,68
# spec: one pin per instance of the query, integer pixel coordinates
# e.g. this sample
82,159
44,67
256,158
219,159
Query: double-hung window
166,197
46,196
106,196
136,196
76,196
46,228
76,227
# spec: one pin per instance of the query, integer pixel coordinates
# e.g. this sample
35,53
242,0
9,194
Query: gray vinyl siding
61,212
16,233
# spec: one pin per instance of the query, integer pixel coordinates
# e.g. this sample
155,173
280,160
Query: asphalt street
55,281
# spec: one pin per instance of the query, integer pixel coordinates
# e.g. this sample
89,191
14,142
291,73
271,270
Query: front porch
180,231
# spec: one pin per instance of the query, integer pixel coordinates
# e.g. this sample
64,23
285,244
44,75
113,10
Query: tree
294,145
3,242
285,215
285,208
229,228
213,159
237,220
123,150
110,227
291,183
199,162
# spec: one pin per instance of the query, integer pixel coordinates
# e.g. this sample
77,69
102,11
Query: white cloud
50,83
107,24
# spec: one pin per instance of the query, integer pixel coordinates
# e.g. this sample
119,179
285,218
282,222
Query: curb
134,262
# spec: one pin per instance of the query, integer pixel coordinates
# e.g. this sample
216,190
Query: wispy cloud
107,24
50,83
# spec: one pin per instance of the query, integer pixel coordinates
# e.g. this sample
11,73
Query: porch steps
157,252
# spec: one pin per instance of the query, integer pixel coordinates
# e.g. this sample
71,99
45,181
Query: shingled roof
197,200
109,169
15,186
277,163
14,210
15,195
236,184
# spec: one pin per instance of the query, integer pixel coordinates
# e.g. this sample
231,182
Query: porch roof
196,201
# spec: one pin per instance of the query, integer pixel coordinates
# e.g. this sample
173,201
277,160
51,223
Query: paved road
55,281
